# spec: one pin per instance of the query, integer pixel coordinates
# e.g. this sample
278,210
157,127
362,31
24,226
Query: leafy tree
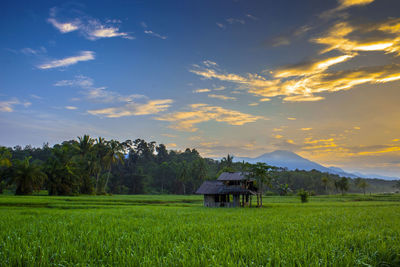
397,184
5,164
162,153
164,172
361,183
183,176
284,189
343,185
63,170
28,176
325,181
261,172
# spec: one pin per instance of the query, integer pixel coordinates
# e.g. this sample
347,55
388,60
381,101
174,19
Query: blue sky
320,78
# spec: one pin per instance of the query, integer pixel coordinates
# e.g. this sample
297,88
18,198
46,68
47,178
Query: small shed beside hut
231,189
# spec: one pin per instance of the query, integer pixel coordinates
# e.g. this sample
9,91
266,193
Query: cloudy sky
319,78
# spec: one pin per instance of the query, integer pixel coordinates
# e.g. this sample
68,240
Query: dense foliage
99,166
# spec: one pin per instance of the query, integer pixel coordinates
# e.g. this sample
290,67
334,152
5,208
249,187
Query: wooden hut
231,189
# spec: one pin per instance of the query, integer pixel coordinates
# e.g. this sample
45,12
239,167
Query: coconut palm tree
114,155
84,148
227,161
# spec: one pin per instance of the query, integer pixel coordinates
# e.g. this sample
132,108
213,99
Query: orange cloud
134,109
185,120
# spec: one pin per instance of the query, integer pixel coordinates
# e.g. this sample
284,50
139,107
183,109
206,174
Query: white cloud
36,96
90,28
71,107
83,56
148,32
31,51
97,94
220,25
94,30
252,17
210,63
103,32
64,27
233,20
79,81
8,106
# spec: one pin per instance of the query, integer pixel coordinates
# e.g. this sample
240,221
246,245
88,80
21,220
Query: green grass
151,230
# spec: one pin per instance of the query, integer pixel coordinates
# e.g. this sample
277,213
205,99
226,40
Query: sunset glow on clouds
247,79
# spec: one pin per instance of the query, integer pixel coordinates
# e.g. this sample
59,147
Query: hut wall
209,201
236,201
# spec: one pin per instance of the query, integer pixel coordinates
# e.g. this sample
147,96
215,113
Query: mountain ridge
292,161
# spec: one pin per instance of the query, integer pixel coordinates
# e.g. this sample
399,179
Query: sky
319,78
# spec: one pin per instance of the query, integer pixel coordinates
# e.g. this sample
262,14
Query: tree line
98,166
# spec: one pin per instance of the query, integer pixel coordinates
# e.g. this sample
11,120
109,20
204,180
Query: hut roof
218,188
210,188
233,176
234,189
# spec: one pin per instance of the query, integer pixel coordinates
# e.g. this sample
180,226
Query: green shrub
303,195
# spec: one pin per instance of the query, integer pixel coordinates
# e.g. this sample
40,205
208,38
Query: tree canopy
99,166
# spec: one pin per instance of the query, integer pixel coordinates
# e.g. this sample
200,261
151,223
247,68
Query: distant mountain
292,161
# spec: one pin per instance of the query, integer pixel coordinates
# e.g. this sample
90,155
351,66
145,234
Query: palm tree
114,155
84,145
28,176
100,149
227,161
85,148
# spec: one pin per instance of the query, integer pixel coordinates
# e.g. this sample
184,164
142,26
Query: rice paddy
177,231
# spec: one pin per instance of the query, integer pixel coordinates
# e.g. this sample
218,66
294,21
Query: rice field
177,231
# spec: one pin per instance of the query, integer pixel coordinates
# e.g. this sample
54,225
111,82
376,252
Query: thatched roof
218,188
210,188
233,176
